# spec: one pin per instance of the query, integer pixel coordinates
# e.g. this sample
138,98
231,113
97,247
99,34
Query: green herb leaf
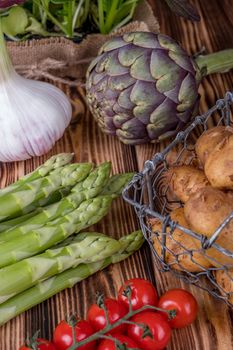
60,2
124,10
35,27
16,22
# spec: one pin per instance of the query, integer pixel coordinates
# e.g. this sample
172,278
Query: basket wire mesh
150,196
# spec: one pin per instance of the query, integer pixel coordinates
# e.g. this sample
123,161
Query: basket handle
209,242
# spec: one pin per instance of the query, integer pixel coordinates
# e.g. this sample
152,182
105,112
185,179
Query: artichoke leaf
145,94
140,69
182,61
142,39
114,43
120,119
129,54
143,113
187,94
165,71
111,64
120,82
124,99
160,114
134,127
170,44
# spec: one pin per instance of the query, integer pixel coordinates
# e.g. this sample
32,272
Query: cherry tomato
183,302
143,293
42,344
159,327
107,344
115,309
62,336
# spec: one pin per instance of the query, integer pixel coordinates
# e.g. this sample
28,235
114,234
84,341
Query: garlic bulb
33,114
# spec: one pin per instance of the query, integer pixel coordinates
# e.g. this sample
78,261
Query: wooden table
213,327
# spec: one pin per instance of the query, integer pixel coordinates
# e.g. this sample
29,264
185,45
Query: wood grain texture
213,327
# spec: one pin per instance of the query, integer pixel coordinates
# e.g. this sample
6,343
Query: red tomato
115,309
107,344
183,302
143,293
42,344
62,336
159,328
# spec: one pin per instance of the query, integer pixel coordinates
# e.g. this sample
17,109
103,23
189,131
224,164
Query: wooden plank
213,328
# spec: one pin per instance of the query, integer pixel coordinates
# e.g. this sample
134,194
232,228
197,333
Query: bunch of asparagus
41,214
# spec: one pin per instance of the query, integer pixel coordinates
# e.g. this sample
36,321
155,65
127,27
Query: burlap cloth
64,63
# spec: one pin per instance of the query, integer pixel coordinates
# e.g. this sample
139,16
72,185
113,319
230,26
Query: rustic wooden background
213,327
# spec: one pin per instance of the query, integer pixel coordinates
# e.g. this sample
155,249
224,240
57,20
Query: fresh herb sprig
68,18
111,15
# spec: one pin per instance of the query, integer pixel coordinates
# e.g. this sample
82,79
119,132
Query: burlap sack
64,63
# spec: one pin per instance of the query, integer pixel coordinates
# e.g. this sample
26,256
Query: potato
179,156
219,165
185,180
209,140
205,211
178,244
225,281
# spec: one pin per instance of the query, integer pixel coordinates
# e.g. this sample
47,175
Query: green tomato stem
116,342
218,62
109,327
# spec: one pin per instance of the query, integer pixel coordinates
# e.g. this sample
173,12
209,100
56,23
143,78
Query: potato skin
205,211
225,281
186,241
209,140
186,180
178,156
219,165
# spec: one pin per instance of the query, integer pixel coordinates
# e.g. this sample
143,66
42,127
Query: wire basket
187,254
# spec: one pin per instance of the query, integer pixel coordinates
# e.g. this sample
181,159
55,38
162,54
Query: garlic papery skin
33,114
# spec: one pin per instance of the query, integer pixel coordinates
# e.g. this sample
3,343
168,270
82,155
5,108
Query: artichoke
143,87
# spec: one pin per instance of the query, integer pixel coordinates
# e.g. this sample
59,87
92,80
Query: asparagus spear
87,189
17,202
36,241
87,247
37,208
52,163
84,190
11,223
67,279
116,183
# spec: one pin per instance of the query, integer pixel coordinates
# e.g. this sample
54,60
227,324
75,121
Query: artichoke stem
218,62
